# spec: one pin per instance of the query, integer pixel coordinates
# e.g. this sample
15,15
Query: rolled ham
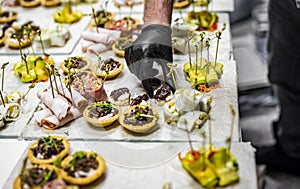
51,122
79,101
97,48
104,36
42,114
59,105
86,44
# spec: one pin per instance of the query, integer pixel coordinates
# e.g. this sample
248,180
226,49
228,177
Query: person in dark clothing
284,75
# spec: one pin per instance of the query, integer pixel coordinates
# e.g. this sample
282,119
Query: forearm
158,12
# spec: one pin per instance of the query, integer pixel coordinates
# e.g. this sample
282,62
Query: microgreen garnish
105,106
75,157
57,163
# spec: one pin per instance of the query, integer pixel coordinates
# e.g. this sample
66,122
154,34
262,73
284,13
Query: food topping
123,42
139,116
48,147
37,177
109,65
120,94
141,99
76,62
102,110
163,92
82,165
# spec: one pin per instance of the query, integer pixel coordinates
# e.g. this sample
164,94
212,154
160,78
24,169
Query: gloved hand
153,45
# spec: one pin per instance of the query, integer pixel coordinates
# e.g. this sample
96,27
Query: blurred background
257,104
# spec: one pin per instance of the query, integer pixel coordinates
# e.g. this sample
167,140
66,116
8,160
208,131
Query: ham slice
97,48
86,44
107,37
42,114
59,105
79,101
51,122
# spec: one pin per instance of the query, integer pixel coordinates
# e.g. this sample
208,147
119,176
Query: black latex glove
153,45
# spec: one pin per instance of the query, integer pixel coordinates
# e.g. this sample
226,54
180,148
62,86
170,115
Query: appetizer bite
139,118
75,64
36,176
82,167
67,15
7,15
205,20
89,86
142,99
162,94
50,3
100,17
21,36
11,112
179,4
109,68
203,75
29,3
121,44
33,68
126,25
47,150
101,114
120,97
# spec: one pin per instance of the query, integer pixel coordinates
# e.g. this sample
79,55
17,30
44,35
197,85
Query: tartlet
109,69
120,97
29,3
8,16
50,3
48,149
77,64
34,176
77,167
178,4
101,114
119,46
101,17
139,118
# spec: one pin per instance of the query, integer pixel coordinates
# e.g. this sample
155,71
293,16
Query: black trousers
284,70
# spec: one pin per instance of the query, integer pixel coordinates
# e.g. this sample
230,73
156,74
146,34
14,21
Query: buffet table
133,160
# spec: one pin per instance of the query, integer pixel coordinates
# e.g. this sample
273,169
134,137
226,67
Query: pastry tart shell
140,128
179,5
72,70
85,180
51,3
33,3
9,19
101,123
111,74
62,154
18,182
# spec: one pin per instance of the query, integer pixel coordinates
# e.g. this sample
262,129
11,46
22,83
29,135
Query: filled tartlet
139,118
21,35
75,64
101,114
48,149
29,3
109,68
119,46
124,24
82,167
178,4
36,176
50,3
120,97
101,17
7,16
